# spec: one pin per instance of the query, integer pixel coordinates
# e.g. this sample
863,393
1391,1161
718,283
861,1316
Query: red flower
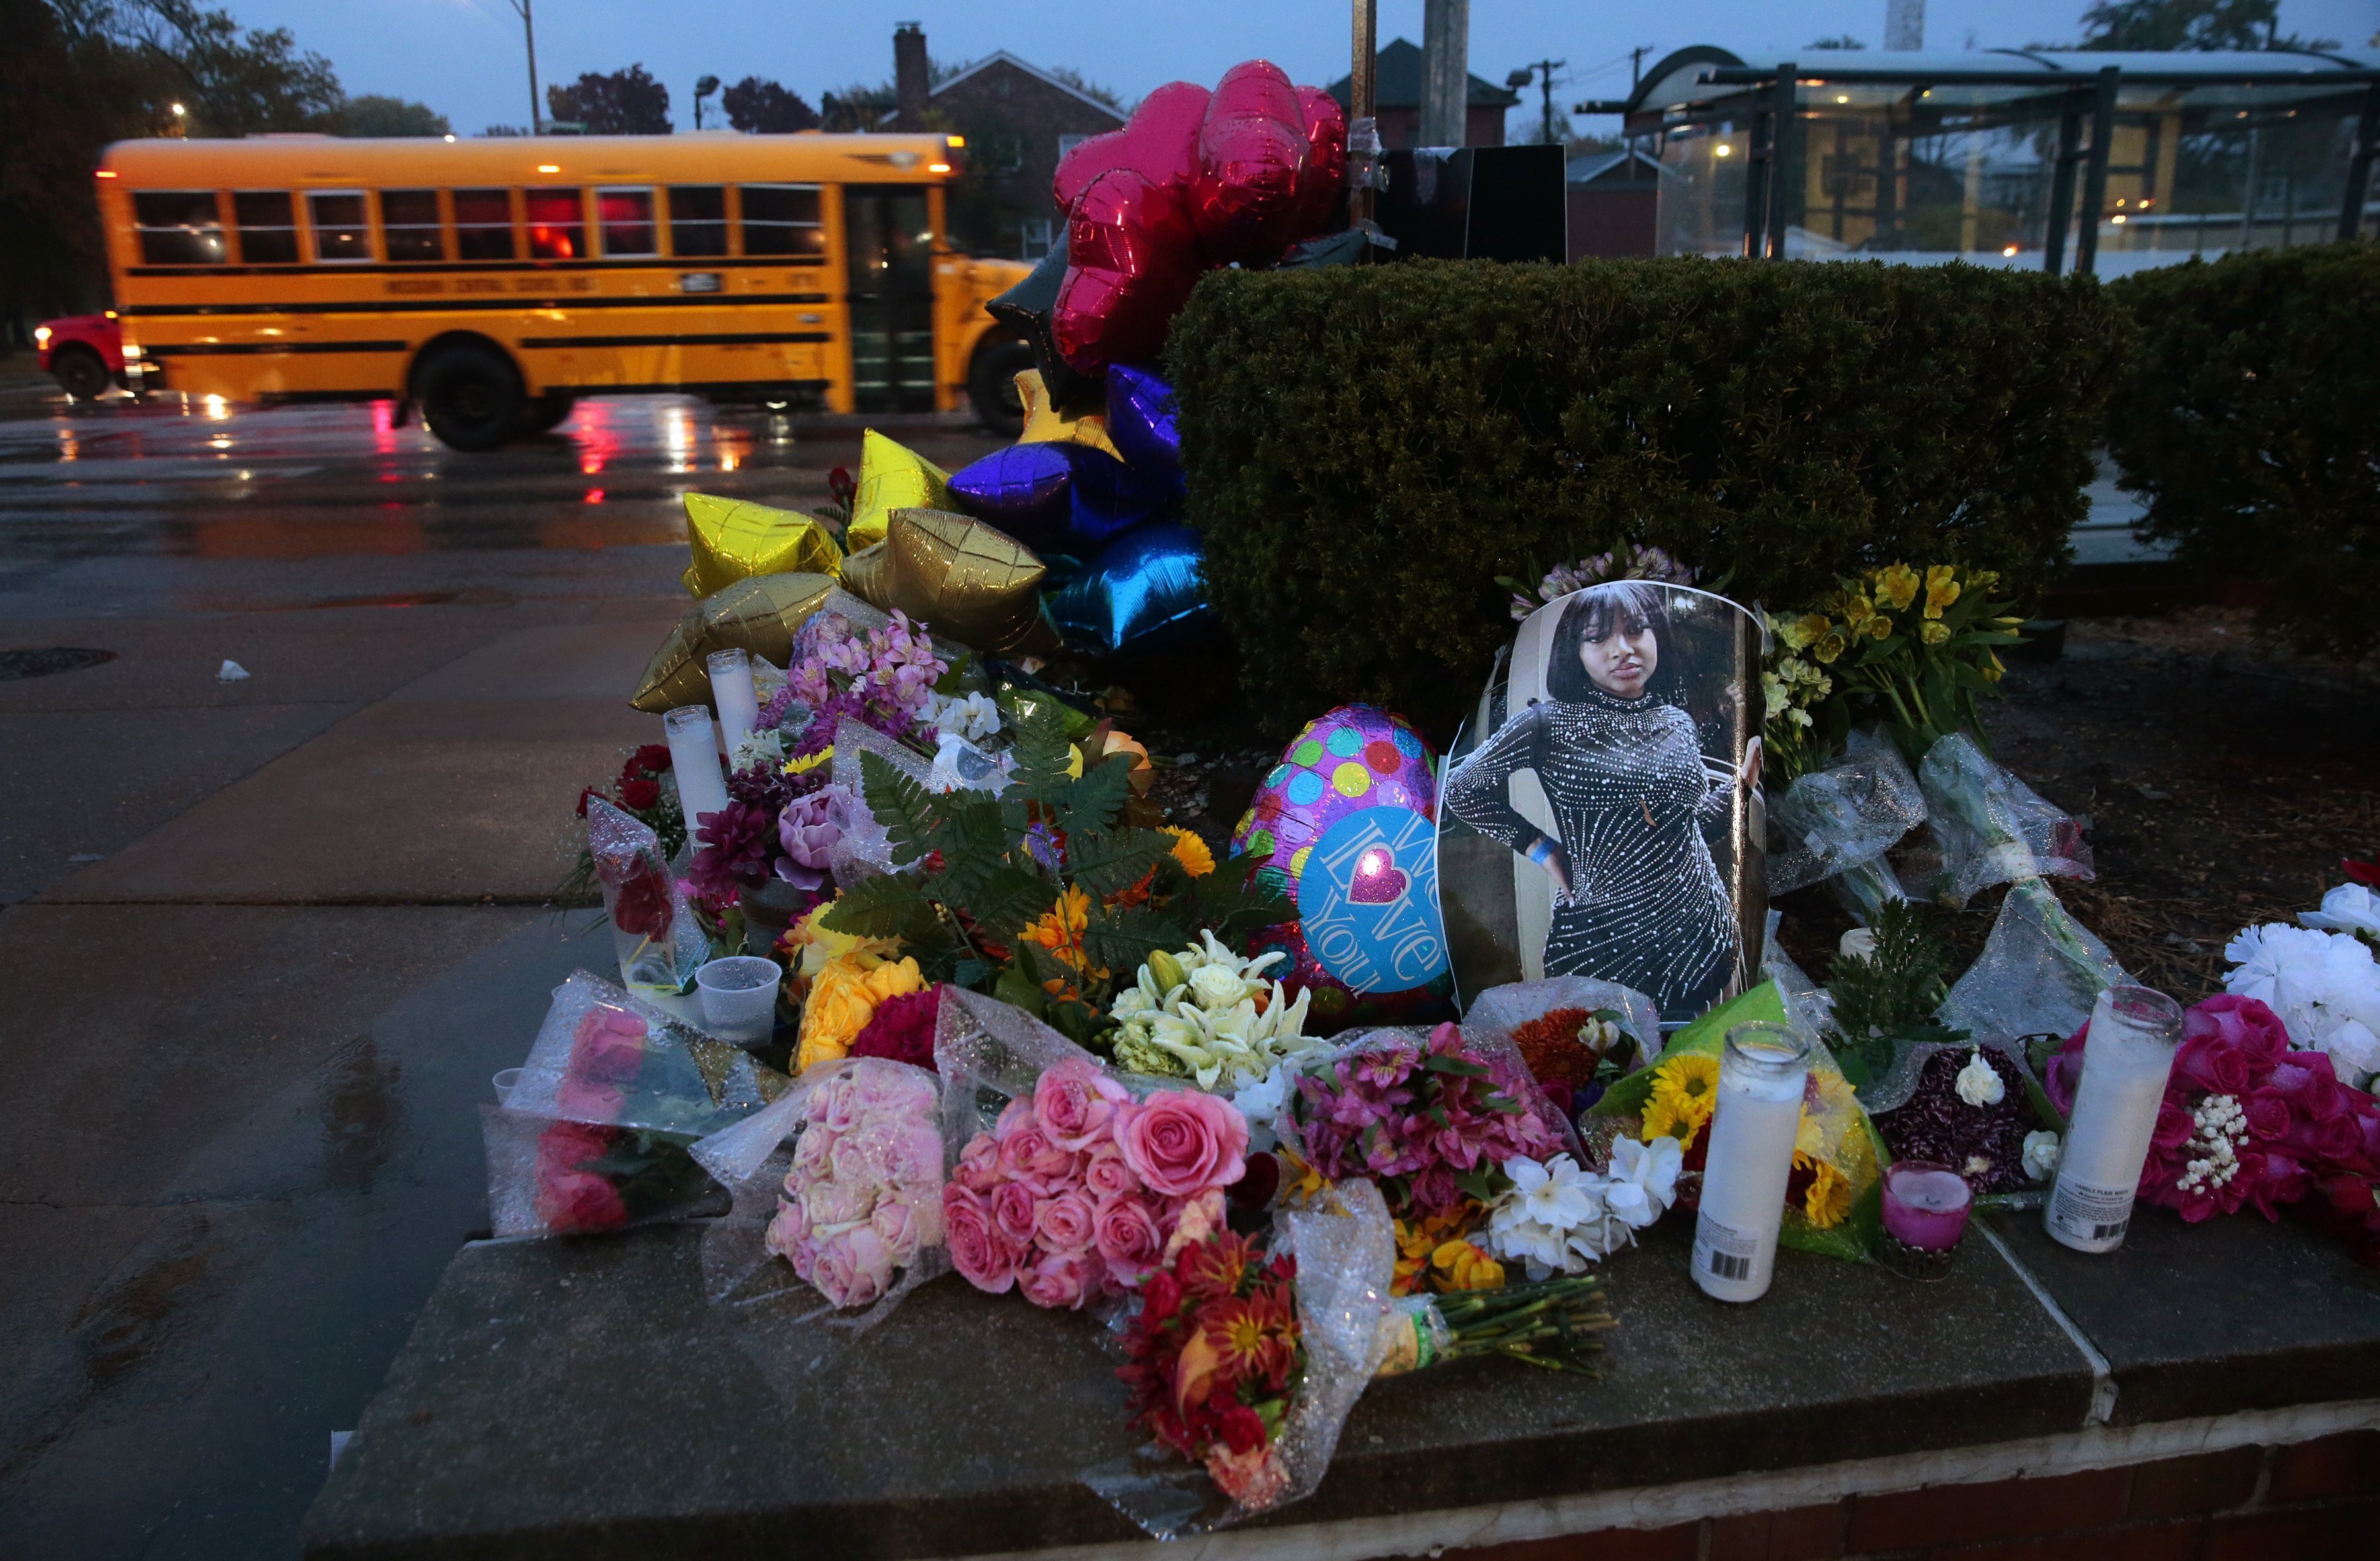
653,759
2364,872
839,483
588,795
641,905
1243,1429
1215,1267
639,794
902,1029
570,1198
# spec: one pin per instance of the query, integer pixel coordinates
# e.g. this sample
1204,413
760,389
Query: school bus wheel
470,394
991,384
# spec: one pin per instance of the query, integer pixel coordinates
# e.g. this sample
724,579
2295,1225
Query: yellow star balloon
1044,425
964,579
759,617
891,476
735,538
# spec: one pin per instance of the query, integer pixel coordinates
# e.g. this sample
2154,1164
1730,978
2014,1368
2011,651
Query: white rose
2041,1152
1215,987
1979,1083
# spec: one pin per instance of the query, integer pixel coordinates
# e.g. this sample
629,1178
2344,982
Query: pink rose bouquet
2245,1120
862,1200
1078,1190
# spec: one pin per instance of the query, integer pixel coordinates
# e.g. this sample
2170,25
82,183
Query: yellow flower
1190,851
1684,1089
1879,628
1941,589
805,947
1857,611
1933,633
843,999
802,763
1829,1201
1459,1265
1829,648
1897,583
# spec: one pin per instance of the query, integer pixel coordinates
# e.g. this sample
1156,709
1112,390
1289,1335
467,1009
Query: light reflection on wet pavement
202,481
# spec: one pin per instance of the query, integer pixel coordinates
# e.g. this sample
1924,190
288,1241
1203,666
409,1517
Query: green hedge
1369,447
2251,422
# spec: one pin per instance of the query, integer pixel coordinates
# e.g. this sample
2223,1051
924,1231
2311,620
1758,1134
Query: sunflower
1683,1093
1190,851
1829,1201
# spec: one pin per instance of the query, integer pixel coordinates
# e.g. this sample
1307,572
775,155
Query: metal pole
1445,72
2358,169
1781,130
2094,180
528,34
2248,188
1362,126
2061,185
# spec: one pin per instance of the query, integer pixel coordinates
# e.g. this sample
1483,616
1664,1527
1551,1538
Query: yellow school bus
492,282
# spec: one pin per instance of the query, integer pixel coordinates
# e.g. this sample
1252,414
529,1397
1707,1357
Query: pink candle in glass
1925,1205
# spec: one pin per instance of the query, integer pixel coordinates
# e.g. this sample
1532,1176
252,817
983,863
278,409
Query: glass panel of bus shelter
1700,209
484,225
783,219
177,226
2206,170
697,216
409,225
1925,175
626,218
268,227
557,225
342,232
890,245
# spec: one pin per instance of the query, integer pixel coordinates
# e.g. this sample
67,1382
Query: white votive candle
694,760
1754,1122
2125,1065
733,694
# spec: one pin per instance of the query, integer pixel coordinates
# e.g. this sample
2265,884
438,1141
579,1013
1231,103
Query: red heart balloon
1159,143
1325,170
1251,147
1132,258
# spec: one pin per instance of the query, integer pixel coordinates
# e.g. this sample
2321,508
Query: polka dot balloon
1348,818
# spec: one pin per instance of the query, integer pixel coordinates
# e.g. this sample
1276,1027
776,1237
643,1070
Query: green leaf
1090,805
1018,987
1109,864
1010,899
907,809
1122,941
1042,754
883,907
1438,1062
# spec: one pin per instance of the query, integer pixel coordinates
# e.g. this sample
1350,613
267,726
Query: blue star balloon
1146,424
1145,593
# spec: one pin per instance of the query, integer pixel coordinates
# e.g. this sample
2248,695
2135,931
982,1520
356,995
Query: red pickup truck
83,352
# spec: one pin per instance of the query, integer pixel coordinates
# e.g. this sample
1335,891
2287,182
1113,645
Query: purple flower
736,845
806,829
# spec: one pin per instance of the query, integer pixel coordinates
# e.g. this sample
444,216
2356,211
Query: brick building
1018,120
1396,101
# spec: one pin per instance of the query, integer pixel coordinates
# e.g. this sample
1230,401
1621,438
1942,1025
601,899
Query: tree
233,83
1089,88
624,103
855,107
374,115
763,107
2188,24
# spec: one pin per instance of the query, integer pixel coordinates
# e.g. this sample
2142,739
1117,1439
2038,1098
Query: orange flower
1060,930
1190,851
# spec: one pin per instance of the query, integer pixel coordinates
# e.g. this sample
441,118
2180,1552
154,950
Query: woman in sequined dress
1637,898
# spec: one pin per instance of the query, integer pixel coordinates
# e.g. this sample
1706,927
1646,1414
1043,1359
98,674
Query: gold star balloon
891,476
759,617
1044,425
967,581
735,538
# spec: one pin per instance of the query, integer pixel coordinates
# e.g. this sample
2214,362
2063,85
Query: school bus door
888,248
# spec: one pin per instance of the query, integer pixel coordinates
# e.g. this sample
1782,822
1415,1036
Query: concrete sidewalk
263,944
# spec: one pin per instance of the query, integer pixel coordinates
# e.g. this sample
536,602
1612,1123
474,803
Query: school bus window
557,225
342,232
626,218
179,226
783,219
409,227
484,225
698,215
268,227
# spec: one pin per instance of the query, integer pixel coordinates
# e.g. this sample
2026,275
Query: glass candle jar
2126,1063
1754,1122
694,761
732,695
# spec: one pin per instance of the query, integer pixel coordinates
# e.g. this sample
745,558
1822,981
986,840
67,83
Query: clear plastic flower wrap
842,1177
2040,971
1517,1012
654,930
1808,1007
1069,1180
552,1177
606,1057
1991,826
1346,1326
1840,823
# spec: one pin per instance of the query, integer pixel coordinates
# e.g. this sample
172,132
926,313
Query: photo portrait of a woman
1637,897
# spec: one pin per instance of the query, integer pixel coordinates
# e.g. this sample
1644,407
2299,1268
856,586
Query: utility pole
1543,70
528,33
1635,64
1445,72
1363,129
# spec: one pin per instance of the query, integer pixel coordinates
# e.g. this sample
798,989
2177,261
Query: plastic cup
739,997
504,1083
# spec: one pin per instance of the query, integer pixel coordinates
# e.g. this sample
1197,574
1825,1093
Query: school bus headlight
938,167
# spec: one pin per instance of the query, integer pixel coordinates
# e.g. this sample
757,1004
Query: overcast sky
465,58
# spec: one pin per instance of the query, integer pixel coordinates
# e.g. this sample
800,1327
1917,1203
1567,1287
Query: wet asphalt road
262,942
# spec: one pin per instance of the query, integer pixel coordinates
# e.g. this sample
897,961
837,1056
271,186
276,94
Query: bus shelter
2021,158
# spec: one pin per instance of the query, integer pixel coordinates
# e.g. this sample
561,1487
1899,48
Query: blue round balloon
1145,593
